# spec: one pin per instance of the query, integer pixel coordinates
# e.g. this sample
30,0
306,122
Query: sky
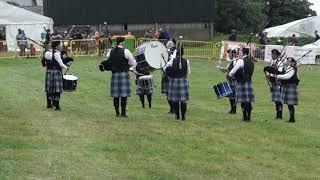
316,6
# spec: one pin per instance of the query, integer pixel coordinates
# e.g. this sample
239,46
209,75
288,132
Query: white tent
302,27
13,18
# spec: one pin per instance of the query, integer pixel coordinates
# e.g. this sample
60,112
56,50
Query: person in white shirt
172,50
290,82
53,83
121,60
242,72
232,53
178,71
276,65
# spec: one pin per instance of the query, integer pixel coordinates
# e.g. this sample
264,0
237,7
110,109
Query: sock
142,100
123,105
183,110
149,97
116,105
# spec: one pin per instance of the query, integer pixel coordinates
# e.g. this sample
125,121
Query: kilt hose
276,92
54,82
120,84
178,89
290,94
244,92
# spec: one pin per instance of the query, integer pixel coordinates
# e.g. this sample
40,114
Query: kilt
244,92
178,89
164,84
54,82
289,94
120,84
276,92
233,88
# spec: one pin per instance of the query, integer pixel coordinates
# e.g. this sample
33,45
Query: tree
284,11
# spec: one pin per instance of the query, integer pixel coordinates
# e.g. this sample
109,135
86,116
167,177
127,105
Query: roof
20,15
302,27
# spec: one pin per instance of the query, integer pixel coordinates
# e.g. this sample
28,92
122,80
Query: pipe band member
276,65
121,60
172,50
290,82
242,72
178,71
54,83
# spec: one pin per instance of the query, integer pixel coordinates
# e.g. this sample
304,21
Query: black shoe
124,115
58,108
117,114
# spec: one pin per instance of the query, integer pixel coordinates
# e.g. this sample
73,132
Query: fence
90,47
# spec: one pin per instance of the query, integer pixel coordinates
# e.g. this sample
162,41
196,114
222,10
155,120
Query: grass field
86,141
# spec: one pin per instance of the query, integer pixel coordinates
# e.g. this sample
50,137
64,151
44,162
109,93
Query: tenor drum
222,89
151,56
145,82
70,82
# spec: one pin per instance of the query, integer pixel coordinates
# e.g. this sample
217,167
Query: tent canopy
302,27
15,18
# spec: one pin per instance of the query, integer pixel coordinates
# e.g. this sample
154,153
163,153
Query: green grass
86,141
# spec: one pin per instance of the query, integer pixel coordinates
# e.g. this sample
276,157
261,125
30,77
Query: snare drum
145,82
222,89
69,82
151,56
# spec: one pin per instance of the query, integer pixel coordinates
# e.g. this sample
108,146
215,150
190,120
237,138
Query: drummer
142,91
54,65
232,54
172,50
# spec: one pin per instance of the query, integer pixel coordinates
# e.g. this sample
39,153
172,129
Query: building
134,16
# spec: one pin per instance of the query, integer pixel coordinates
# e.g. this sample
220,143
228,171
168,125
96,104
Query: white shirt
128,55
278,62
239,64
57,57
288,74
233,61
171,62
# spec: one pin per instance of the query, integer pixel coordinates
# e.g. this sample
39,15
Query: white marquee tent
302,27
13,18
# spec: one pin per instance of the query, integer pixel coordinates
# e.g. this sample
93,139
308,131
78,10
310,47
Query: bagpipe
105,65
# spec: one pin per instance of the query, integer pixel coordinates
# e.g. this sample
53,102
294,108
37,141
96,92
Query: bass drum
151,56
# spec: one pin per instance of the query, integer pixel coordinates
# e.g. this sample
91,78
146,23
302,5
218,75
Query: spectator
148,34
1,42
22,42
317,36
162,34
293,40
263,40
32,50
233,35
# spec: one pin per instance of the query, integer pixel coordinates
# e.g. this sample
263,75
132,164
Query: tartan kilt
120,84
290,94
276,92
244,92
54,83
178,89
164,84
233,88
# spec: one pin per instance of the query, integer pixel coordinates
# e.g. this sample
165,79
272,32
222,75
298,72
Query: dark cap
120,40
245,50
276,51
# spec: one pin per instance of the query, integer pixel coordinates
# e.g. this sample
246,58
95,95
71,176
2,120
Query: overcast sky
316,6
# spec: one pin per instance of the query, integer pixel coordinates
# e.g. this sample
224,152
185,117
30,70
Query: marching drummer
178,71
54,84
232,54
121,60
144,86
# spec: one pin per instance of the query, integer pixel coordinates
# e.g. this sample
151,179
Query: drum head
145,77
156,54
70,77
